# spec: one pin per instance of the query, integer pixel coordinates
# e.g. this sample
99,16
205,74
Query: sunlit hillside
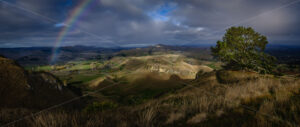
149,63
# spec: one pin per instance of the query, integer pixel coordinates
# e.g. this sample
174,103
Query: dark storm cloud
21,27
144,22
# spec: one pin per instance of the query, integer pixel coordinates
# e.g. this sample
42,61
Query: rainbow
75,13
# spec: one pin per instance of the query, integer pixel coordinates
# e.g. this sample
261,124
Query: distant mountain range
42,55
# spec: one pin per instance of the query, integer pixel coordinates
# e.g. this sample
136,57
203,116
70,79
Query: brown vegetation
20,88
261,101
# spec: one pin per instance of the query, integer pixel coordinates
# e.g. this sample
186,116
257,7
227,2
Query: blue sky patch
161,13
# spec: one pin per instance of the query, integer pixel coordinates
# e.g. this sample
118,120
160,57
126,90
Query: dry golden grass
197,118
174,117
146,118
263,101
216,99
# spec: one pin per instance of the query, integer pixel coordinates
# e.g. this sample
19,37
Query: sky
131,23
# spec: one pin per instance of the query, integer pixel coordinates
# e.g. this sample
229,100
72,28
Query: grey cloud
126,22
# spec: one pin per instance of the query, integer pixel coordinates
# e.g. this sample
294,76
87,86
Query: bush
224,76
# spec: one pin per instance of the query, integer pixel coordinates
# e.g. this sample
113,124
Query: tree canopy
243,48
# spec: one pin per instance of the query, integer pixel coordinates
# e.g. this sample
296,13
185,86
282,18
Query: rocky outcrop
20,88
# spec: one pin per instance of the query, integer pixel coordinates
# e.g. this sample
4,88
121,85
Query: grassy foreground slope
247,99
222,98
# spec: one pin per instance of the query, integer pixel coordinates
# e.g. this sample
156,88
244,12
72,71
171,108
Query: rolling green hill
147,91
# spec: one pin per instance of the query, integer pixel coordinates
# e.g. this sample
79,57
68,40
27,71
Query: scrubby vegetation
261,101
150,91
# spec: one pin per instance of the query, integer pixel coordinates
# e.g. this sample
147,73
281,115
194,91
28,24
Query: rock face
20,88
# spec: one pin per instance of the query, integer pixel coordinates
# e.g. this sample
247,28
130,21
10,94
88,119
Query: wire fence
60,104
99,37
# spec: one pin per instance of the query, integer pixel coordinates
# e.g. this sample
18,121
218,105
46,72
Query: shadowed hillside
149,63
222,98
147,91
162,65
20,88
